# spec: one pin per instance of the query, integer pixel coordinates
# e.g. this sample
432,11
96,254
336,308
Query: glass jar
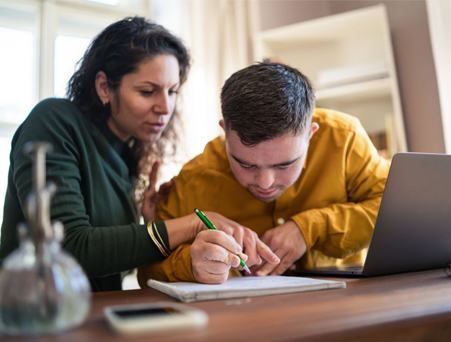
42,287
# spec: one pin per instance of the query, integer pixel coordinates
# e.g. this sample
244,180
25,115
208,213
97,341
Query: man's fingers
220,255
257,250
221,239
266,253
210,278
211,261
217,260
251,250
226,229
243,256
266,267
238,235
283,266
276,269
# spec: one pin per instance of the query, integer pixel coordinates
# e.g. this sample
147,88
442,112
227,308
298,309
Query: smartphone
154,317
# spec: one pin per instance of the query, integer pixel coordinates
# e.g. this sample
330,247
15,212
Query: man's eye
147,92
246,167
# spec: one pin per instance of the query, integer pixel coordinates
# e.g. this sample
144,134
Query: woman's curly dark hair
118,50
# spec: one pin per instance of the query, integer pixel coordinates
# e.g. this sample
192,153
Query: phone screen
145,312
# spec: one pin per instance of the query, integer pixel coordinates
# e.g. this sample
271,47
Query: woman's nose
164,105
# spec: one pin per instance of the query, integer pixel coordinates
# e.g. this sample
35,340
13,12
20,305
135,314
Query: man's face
269,168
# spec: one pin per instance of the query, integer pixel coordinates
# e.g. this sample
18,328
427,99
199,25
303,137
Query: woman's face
145,100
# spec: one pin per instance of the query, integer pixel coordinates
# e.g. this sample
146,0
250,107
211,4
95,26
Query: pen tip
247,269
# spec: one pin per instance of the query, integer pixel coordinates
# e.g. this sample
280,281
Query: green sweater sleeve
94,198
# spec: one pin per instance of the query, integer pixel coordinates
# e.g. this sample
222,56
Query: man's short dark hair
265,101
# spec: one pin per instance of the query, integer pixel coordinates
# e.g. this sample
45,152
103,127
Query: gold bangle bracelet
160,238
154,239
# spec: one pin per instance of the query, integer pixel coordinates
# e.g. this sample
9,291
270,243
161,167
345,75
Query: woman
119,116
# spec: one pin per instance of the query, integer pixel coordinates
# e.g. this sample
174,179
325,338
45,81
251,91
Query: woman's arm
94,192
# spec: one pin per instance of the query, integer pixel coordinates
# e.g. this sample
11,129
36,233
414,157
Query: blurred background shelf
357,91
349,59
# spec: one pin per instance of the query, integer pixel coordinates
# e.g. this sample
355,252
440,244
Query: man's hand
212,254
153,197
255,250
252,246
288,244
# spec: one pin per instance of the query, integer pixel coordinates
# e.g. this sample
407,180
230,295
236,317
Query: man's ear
221,123
102,87
313,128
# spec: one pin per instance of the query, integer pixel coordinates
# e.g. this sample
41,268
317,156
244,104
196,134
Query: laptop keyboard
353,268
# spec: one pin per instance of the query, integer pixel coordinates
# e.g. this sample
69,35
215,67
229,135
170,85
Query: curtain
219,36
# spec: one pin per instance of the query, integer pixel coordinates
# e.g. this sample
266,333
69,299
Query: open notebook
242,287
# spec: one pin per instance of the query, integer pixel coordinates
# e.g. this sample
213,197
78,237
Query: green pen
210,225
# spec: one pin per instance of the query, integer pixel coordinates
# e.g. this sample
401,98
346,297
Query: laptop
413,226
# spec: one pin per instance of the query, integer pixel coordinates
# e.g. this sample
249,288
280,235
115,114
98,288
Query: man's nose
265,178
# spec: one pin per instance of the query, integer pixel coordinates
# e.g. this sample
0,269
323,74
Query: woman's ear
102,87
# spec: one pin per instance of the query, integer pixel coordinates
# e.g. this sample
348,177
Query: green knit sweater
94,198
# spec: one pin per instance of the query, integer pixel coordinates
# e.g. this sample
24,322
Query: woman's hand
153,197
213,255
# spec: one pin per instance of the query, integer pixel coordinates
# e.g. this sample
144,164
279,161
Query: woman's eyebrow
158,85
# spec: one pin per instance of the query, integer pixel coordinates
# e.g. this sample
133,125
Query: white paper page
251,284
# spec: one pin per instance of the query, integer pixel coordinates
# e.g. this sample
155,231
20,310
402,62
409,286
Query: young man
307,181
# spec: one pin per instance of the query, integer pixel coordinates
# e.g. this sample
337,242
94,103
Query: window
106,2
16,91
68,51
16,67
19,80
45,40
169,14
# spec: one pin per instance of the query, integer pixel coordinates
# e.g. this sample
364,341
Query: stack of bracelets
152,229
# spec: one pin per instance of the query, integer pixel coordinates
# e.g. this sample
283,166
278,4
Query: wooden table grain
403,307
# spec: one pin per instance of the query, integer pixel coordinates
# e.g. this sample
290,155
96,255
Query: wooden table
411,306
